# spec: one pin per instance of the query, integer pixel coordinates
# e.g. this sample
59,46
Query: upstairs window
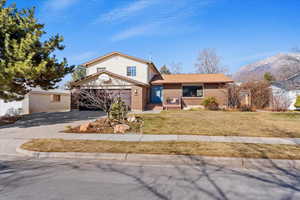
100,69
131,71
192,91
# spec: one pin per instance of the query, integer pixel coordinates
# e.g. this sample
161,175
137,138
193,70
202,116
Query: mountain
281,66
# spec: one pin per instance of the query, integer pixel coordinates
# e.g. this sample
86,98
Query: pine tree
165,70
25,60
79,73
269,77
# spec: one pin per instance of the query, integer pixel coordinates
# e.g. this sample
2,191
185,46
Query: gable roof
78,82
292,83
295,76
109,55
191,78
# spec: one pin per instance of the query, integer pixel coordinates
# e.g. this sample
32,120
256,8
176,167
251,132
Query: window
55,98
131,71
192,91
100,69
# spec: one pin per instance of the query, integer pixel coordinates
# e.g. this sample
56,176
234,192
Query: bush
234,98
118,111
246,108
280,102
260,93
297,104
211,103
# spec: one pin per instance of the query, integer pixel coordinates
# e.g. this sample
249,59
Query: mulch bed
8,120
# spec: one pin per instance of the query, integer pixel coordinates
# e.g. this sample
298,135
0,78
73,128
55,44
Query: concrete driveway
41,125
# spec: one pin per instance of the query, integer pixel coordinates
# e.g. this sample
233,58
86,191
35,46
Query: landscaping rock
131,119
121,128
84,127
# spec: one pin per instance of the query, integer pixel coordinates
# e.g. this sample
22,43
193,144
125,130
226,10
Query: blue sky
172,31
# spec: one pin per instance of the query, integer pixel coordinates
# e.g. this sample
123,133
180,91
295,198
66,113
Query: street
30,179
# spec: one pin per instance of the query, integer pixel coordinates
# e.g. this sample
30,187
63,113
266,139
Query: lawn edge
249,163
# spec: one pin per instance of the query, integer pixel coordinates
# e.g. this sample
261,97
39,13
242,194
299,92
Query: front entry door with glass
156,94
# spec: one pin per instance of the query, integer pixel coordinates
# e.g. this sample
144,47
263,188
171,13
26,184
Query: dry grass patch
219,149
222,123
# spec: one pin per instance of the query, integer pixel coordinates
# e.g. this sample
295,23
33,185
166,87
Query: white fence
10,108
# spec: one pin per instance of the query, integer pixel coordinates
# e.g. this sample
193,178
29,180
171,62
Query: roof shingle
191,78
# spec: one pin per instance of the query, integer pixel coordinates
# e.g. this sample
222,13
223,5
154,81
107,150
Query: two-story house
143,87
289,88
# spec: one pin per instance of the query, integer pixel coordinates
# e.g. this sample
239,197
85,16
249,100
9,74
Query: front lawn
167,147
222,123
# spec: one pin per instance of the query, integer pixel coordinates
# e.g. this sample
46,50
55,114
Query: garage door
125,94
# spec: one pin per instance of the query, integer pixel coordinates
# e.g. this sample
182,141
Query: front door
156,94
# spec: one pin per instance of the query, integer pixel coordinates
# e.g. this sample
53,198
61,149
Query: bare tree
260,93
101,99
208,62
102,94
176,68
280,101
234,100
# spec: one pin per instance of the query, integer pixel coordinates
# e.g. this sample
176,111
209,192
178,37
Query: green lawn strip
219,149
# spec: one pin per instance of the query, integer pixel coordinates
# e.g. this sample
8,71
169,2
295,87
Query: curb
173,159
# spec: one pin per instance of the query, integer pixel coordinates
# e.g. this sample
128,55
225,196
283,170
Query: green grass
223,123
219,149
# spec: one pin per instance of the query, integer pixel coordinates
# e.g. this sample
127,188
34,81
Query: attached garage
88,104
132,92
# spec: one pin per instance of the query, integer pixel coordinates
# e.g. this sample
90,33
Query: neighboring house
38,100
289,88
143,86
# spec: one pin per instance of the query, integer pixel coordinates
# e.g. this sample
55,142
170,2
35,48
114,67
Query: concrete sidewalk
178,138
149,138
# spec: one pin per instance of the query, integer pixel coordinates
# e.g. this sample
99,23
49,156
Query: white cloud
83,57
134,31
154,17
58,5
123,12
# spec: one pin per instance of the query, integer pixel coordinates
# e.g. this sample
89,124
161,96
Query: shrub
118,110
260,93
211,103
246,108
297,104
280,102
234,99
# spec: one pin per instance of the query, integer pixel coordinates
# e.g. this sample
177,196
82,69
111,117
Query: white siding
291,95
118,65
113,83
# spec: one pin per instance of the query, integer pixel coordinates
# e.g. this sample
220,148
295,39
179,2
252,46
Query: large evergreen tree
79,73
25,60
